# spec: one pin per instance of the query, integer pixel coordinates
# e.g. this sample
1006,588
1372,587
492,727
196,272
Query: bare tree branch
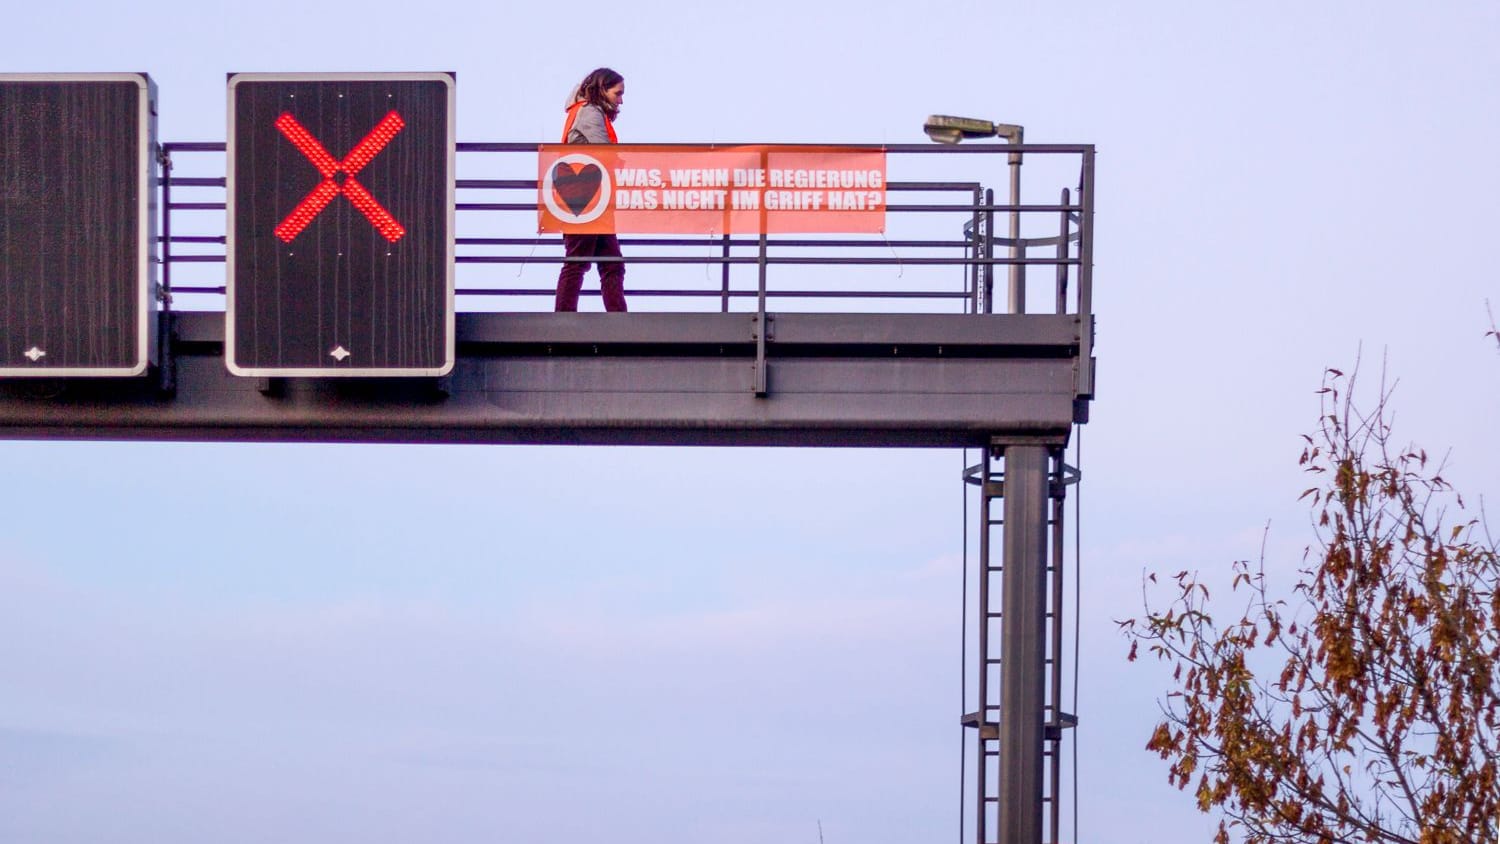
1369,709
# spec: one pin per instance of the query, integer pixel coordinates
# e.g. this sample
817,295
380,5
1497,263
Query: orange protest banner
638,189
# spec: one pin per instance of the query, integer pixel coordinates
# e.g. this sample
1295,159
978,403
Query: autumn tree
1363,703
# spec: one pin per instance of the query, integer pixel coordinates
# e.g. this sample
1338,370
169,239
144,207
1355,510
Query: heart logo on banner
576,184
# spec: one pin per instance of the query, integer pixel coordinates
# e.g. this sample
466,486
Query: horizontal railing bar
197,182
531,184
747,294
534,146
698,244
926,262
531,206
920,149
785,294
811,261
496,184
771,259
933,186
718,241
1024,209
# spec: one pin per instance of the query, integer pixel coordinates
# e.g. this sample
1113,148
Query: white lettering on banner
693,200
826,179
715,178
746,200
794,200
749,178
839,200
628,199
637,178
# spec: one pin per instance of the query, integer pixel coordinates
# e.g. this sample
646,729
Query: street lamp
946,129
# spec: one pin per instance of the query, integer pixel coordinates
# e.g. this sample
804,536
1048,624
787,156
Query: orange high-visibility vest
609,125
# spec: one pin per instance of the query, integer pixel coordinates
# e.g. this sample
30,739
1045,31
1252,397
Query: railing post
978,235
1086,278
166,367
724,290
1017,271
762,328
1062,255
989,252
165,160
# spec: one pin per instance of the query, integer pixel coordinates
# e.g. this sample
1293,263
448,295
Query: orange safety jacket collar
609,125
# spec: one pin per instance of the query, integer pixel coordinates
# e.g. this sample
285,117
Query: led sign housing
340,227
77,224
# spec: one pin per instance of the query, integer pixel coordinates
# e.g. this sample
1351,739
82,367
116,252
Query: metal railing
938,253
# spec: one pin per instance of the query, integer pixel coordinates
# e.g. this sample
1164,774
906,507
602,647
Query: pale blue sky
250,643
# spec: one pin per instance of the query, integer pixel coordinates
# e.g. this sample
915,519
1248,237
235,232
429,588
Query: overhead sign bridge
342,269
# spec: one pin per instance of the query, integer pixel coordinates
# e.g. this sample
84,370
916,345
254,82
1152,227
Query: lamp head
946,129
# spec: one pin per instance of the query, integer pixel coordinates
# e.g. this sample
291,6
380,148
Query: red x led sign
340,224
338,177
77,233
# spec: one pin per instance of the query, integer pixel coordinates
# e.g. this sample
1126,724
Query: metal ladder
984,719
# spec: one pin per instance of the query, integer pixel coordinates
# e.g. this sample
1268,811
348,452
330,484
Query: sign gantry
340,252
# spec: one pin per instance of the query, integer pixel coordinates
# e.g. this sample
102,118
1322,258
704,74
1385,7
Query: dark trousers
611,273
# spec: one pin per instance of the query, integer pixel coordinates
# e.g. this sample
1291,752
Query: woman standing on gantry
591,114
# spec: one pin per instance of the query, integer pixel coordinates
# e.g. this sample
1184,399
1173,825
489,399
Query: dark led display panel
340,224
77,224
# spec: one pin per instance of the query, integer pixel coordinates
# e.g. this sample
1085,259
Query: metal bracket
760,378
988,730
166,362
1065,721
1057,487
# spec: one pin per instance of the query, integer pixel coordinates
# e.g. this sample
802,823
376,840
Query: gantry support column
1023,644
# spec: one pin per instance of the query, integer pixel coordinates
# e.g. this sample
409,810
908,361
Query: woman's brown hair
593,86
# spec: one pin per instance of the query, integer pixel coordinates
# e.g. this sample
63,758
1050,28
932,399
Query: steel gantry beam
662,379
